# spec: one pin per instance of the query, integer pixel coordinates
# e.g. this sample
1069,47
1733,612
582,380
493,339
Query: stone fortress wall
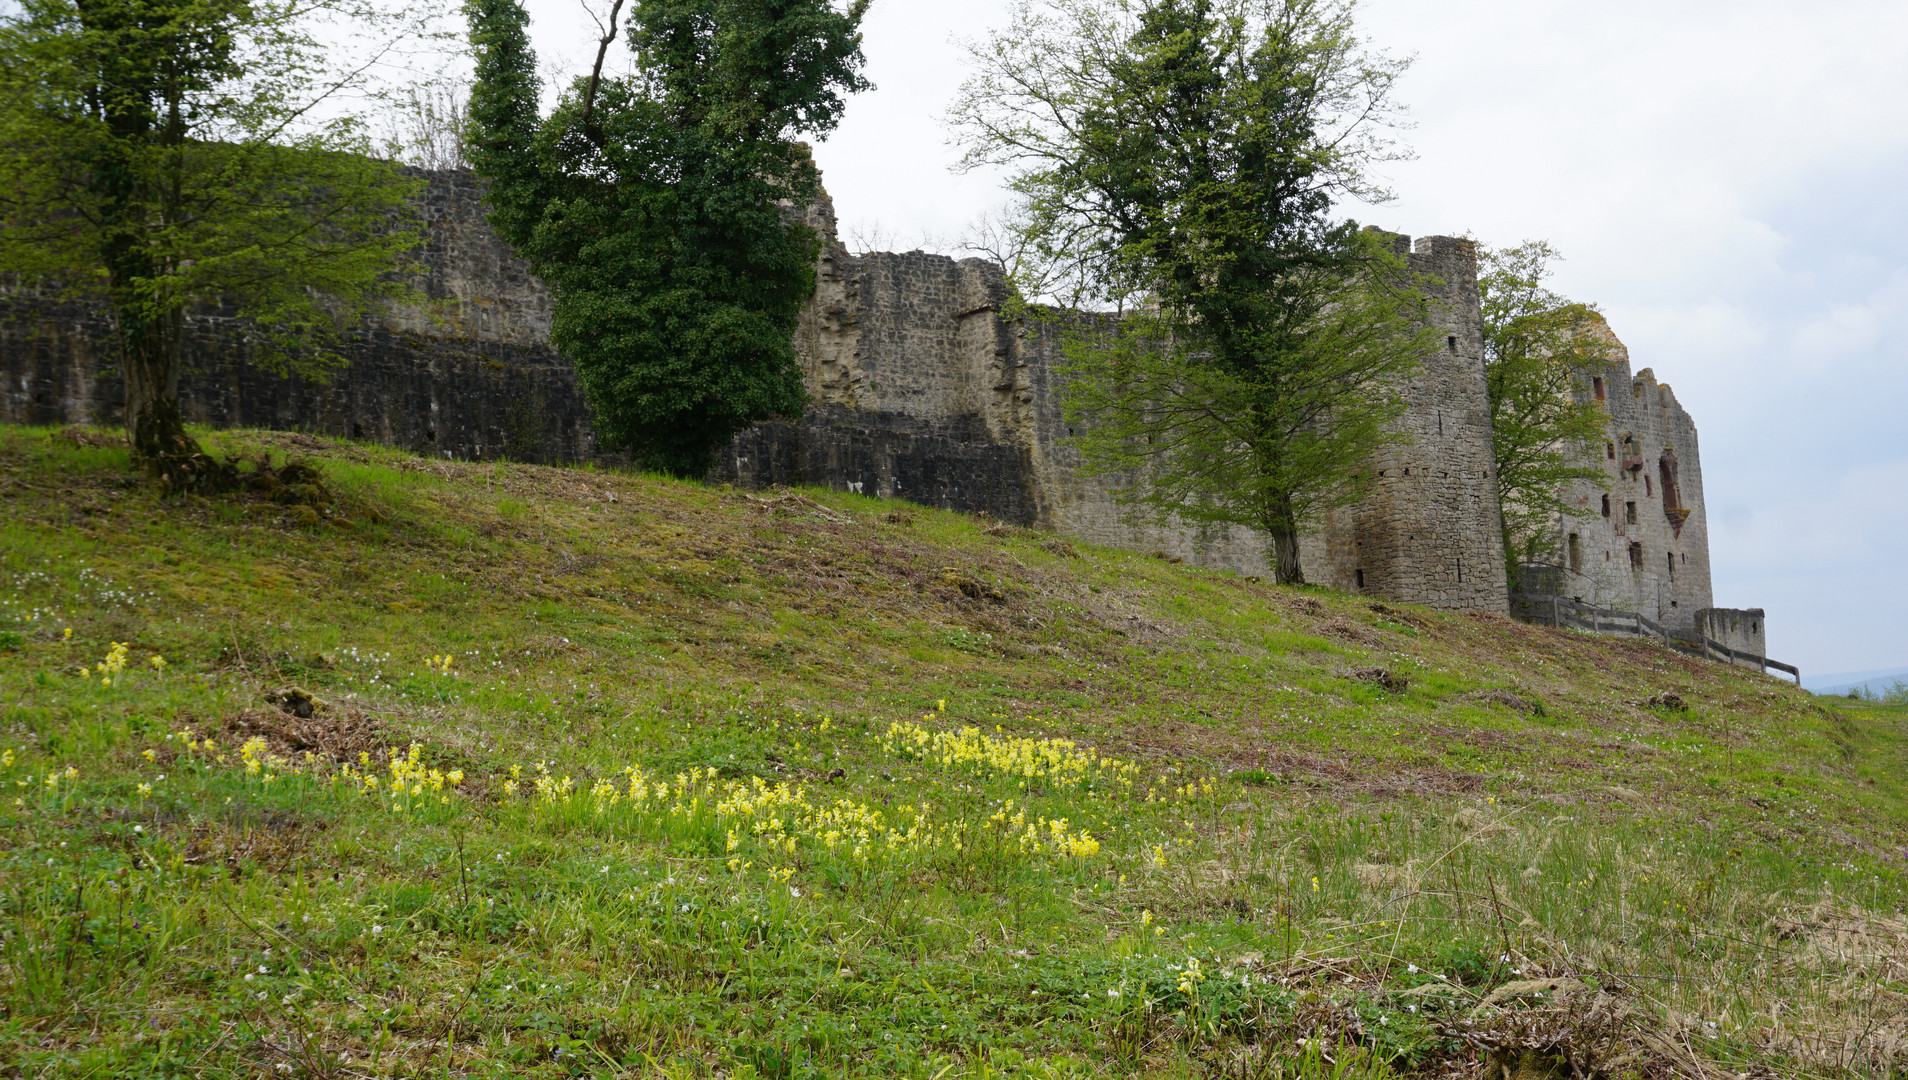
1641,541
923,389
473,377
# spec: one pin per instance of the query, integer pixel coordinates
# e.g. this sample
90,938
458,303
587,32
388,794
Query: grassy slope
1291,851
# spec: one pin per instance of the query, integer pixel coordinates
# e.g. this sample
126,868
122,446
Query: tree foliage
658,206
1180,158
1546,430
167,153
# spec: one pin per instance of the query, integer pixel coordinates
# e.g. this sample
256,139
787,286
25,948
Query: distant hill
1842,682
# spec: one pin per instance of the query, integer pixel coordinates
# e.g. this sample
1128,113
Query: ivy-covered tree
159,154
659,207
1539,348
1178,160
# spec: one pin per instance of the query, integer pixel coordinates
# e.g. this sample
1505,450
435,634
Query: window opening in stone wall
1609,450
1606,506
1576,553
1647,490
1598,383
1666,470
1460,569
1361,578
1451,342
1671,558
1636,556
1629,512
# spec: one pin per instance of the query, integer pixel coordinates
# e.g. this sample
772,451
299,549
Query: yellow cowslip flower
145,791
1146,917
158,663
1159,855
1314,884
149,755
68,636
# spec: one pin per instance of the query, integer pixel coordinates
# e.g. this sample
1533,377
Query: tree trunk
155,428
1285,556
149,350
1282,524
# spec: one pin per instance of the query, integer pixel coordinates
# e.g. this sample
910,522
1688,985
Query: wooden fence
1562,611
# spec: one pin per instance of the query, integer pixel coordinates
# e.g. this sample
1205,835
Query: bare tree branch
596,70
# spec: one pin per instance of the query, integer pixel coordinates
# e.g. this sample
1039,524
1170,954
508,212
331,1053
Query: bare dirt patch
339,734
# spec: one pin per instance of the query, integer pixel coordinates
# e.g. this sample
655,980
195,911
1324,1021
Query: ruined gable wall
1657,564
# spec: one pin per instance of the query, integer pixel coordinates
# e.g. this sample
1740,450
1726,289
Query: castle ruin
923,389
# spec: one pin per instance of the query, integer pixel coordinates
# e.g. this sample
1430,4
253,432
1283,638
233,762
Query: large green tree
162,154
1180,159
661,207
1540,350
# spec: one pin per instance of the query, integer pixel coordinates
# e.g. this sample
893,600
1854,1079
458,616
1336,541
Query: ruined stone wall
905,357
1642,542
922,390
1742,629
471,375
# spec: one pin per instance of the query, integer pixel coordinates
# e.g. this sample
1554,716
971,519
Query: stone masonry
471,376
1640,542
923,389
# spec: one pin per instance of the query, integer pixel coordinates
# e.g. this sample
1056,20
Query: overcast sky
1727,180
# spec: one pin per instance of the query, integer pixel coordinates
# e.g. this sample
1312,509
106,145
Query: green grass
1292,871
